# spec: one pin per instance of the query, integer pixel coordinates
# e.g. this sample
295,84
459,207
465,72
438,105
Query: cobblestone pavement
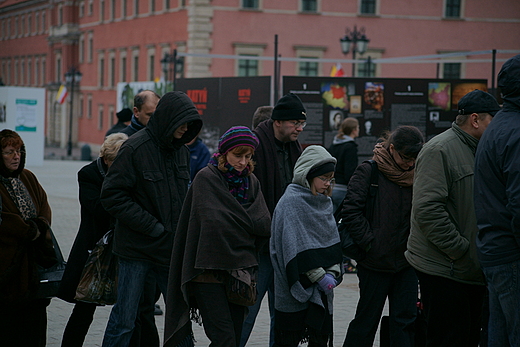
59,179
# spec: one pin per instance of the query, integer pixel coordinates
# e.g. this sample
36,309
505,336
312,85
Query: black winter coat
387,232
95,222
148,181
347,156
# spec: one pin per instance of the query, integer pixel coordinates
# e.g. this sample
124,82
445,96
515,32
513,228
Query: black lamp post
171,66
358,41
71,77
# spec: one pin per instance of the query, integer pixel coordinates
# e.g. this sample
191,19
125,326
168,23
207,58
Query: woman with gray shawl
306,253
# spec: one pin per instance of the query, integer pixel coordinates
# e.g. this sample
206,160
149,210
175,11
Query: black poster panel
379,104
225,101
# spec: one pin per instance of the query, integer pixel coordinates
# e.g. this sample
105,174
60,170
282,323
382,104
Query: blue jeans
504,304
265,284
130,285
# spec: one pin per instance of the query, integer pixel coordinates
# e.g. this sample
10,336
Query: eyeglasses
405,158
11,153
298,124
325,179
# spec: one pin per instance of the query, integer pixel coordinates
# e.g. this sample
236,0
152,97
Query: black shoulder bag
350,248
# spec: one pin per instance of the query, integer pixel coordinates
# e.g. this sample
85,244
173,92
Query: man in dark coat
123,120
275,158
145,103
144,190
497,206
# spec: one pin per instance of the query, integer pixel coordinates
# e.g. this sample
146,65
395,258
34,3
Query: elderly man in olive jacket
144,190
441,245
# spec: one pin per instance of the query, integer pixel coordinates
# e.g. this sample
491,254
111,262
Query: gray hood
311,157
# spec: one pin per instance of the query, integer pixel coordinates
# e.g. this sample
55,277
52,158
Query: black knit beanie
289,107
321,170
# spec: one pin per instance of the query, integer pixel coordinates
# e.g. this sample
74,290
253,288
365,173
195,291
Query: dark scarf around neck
238,181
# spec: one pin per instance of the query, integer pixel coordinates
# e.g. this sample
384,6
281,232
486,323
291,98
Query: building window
112,9
90,47
44,25
81,48
309,5
90,7
81,9
151,67
60,15
112,71
22,72
100,119
247,67
167,4
16,27
29,24
89,106
36,23
451,70
367,69
102,10
124,10
368,7
58,76
22,27
101,71
123,70
44,71
152,6
250,4
135,69
81,105
453,8
136,8
308,68
29,71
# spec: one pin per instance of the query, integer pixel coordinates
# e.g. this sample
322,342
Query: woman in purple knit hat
224,221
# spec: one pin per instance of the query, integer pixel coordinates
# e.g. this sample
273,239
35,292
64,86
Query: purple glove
327,283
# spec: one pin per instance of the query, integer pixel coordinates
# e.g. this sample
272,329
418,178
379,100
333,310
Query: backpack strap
374,186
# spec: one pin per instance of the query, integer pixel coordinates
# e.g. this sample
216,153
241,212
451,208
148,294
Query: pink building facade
114,41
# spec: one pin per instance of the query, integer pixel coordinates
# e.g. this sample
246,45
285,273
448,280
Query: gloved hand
327,283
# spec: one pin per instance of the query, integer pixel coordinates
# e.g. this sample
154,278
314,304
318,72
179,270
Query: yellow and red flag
62,94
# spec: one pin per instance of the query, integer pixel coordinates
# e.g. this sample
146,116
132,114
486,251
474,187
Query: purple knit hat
235,137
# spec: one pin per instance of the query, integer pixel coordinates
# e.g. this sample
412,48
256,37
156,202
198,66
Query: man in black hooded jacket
497,206
144,190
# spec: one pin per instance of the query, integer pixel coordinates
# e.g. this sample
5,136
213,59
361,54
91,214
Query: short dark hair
141,98
262,113
406,139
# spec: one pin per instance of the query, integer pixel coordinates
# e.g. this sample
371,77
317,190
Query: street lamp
71,77
168,69
357,40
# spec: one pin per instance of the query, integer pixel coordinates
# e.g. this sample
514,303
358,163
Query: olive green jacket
443,223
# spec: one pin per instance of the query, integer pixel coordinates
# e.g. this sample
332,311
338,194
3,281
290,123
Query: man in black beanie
123,119
275,158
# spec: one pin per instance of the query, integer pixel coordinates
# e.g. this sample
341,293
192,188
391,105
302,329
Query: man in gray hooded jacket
144,190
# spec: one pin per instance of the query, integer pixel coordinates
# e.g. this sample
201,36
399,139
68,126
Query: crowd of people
437,222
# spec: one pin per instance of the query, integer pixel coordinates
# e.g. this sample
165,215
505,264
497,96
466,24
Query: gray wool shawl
304,236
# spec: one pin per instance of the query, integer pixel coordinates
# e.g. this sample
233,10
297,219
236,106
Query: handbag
50,278
241,286
98,284
349,247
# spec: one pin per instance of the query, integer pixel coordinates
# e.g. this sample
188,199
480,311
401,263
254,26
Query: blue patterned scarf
238,181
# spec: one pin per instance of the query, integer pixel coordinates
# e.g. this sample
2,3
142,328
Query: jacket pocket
154,181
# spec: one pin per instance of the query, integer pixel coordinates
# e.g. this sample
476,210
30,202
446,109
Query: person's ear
474,118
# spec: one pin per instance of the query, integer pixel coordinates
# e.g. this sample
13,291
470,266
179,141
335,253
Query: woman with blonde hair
223,222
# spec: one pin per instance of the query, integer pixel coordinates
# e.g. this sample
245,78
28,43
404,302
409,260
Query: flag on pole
336,71
62,94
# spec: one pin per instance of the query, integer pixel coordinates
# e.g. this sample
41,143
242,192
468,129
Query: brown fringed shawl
214,232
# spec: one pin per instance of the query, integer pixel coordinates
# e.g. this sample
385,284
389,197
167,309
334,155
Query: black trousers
221,319
24,325
453,311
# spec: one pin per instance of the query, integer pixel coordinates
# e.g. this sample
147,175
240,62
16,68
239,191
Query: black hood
173,110
509,80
